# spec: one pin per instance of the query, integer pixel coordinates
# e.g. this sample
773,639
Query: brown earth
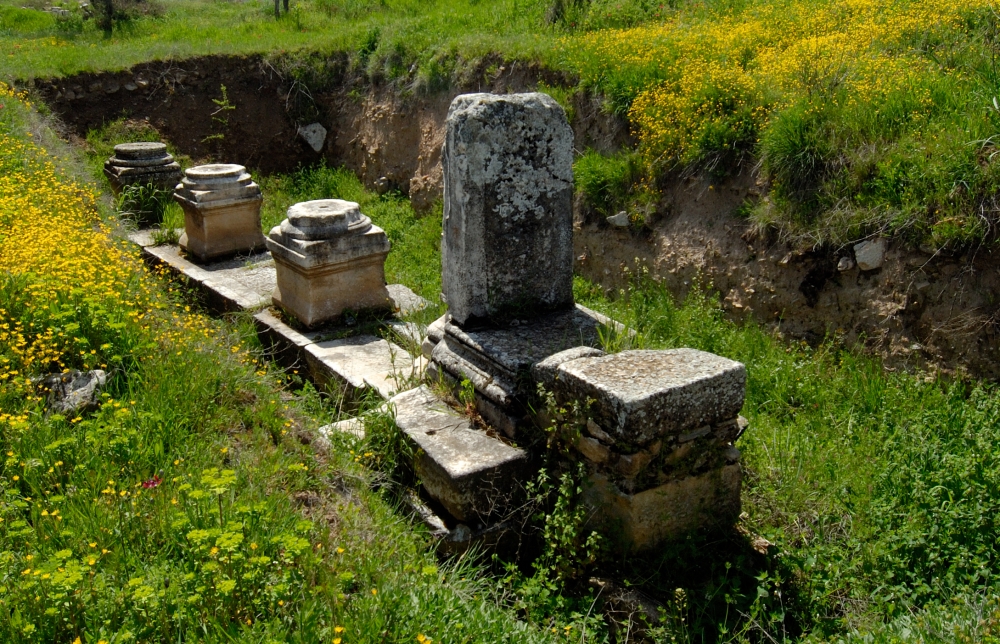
918,310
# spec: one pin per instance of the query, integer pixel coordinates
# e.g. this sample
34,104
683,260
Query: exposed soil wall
917,310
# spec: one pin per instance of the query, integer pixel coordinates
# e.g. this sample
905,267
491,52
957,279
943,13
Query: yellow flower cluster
736,68
62,269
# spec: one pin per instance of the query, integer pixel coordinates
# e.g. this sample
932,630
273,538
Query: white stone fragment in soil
314,135
870,254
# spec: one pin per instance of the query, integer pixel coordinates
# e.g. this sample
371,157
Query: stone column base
322,294
214,230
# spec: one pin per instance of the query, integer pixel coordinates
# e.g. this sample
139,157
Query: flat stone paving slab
352,365
231,285
360,363
471,474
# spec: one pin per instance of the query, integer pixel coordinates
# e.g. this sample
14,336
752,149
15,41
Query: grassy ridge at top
37,45
867,116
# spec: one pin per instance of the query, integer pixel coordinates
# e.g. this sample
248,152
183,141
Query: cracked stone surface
643,395
508,223
471,474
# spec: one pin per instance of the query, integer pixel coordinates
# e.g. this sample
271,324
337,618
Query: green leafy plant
142,203
220,116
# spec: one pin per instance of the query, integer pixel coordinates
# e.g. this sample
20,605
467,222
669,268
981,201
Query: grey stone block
643,395
545,372
472,475
359,364
73,391
508,223
498,361
640,522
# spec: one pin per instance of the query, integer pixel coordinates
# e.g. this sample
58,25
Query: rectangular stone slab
358,364
287,345
643,395
228,286
471,474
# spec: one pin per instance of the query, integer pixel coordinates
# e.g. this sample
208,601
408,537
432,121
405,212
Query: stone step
352,366
471,474
358,364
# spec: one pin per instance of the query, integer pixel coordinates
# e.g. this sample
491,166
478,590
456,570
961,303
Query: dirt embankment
916,310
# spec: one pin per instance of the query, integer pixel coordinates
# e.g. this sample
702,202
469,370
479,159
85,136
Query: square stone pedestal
329,258
221,211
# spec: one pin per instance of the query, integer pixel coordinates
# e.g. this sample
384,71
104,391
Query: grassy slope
878,489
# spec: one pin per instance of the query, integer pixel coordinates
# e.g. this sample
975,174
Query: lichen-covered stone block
508,223
472,475
639,396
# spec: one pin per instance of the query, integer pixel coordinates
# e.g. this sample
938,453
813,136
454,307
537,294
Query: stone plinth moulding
143,163
221,211
329,258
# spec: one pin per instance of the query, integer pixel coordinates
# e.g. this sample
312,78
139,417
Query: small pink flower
151,483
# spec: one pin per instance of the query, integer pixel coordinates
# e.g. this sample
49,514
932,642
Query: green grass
878,489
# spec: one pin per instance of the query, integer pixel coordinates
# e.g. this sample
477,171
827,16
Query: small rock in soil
73,391
870,254
620,220
592,450
314,135
845,264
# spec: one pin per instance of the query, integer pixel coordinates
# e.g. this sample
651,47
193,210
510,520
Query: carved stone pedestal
144,163
329,258
221,211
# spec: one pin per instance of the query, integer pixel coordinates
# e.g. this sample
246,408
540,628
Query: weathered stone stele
221,211
639,396
508,186
142,163
329,258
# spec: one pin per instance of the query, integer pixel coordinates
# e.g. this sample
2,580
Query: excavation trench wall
917,311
